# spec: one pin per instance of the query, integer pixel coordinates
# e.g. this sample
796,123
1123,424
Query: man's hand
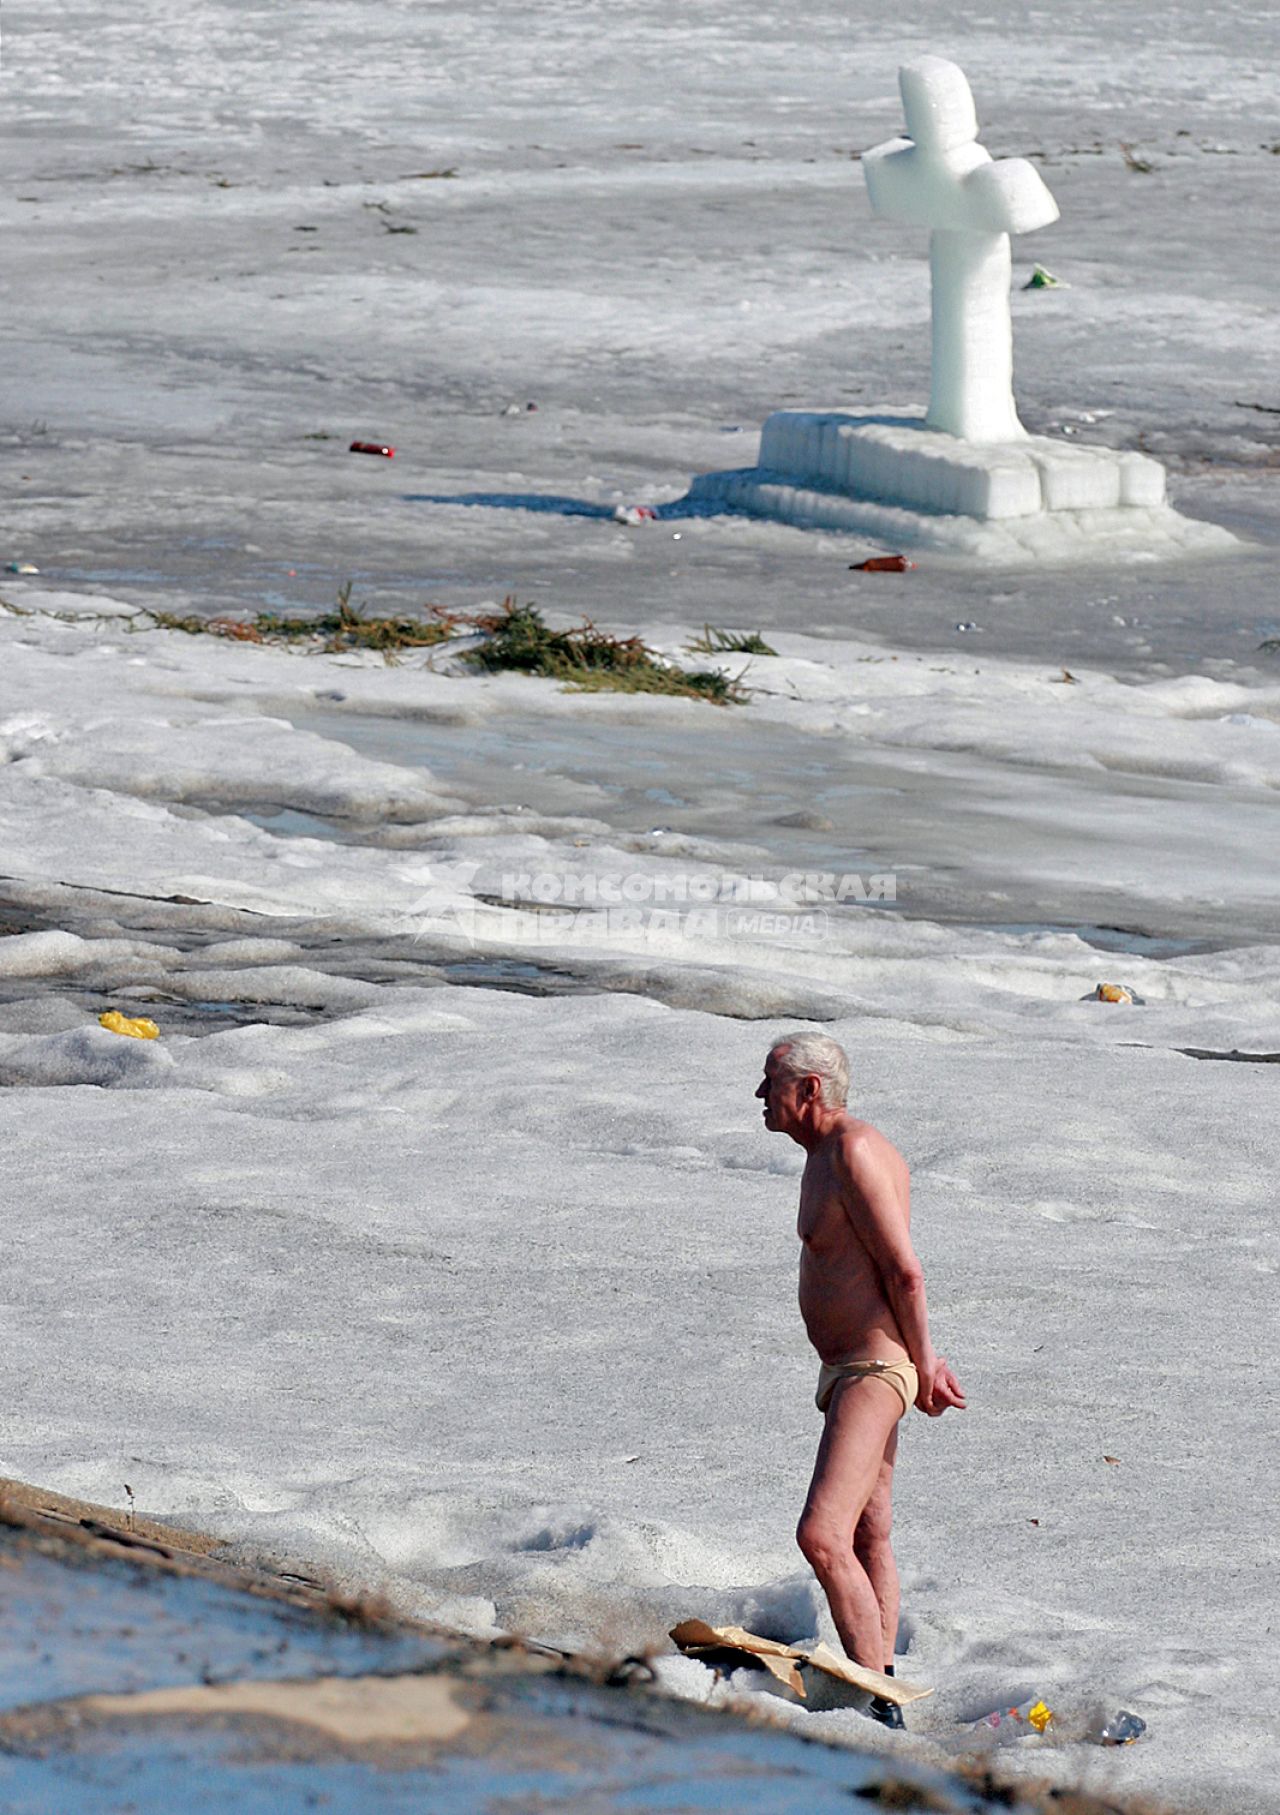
939,1391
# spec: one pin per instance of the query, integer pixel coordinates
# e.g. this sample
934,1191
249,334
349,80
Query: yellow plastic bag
136,1026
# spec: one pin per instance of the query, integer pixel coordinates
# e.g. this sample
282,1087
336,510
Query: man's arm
881,1225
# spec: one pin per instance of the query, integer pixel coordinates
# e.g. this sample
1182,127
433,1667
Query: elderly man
863,1304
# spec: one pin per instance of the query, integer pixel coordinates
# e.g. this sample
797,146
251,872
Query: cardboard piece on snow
781,1661
696,1638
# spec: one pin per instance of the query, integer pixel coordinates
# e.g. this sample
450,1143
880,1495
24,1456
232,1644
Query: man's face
780,1096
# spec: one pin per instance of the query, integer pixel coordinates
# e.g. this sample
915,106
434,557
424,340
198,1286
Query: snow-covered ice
397,1287
486,1293
266,1701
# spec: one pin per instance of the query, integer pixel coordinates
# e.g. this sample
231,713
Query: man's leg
861,1417
873,1550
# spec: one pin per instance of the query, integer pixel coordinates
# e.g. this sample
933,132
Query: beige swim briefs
900,1375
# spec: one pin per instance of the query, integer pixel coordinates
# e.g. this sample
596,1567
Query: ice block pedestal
964,474
893,478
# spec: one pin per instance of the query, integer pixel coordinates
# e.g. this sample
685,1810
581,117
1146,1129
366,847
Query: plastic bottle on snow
1123,1729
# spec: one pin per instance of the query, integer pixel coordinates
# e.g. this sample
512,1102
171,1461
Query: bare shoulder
862,1150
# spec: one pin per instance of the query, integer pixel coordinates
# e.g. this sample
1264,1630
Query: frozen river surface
236,239
487,1297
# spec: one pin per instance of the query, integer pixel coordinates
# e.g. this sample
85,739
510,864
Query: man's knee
824,1545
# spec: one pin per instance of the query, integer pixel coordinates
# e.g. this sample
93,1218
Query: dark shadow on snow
549,505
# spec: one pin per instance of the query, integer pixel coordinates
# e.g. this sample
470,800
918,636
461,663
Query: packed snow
436,1239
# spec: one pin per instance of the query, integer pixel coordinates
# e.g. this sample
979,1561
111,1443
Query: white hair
805,1054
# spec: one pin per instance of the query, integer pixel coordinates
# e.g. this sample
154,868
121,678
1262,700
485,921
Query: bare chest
825,1223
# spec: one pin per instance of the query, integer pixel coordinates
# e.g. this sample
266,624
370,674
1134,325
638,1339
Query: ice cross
940,177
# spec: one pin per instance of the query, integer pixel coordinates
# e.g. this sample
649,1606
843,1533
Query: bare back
843,1300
